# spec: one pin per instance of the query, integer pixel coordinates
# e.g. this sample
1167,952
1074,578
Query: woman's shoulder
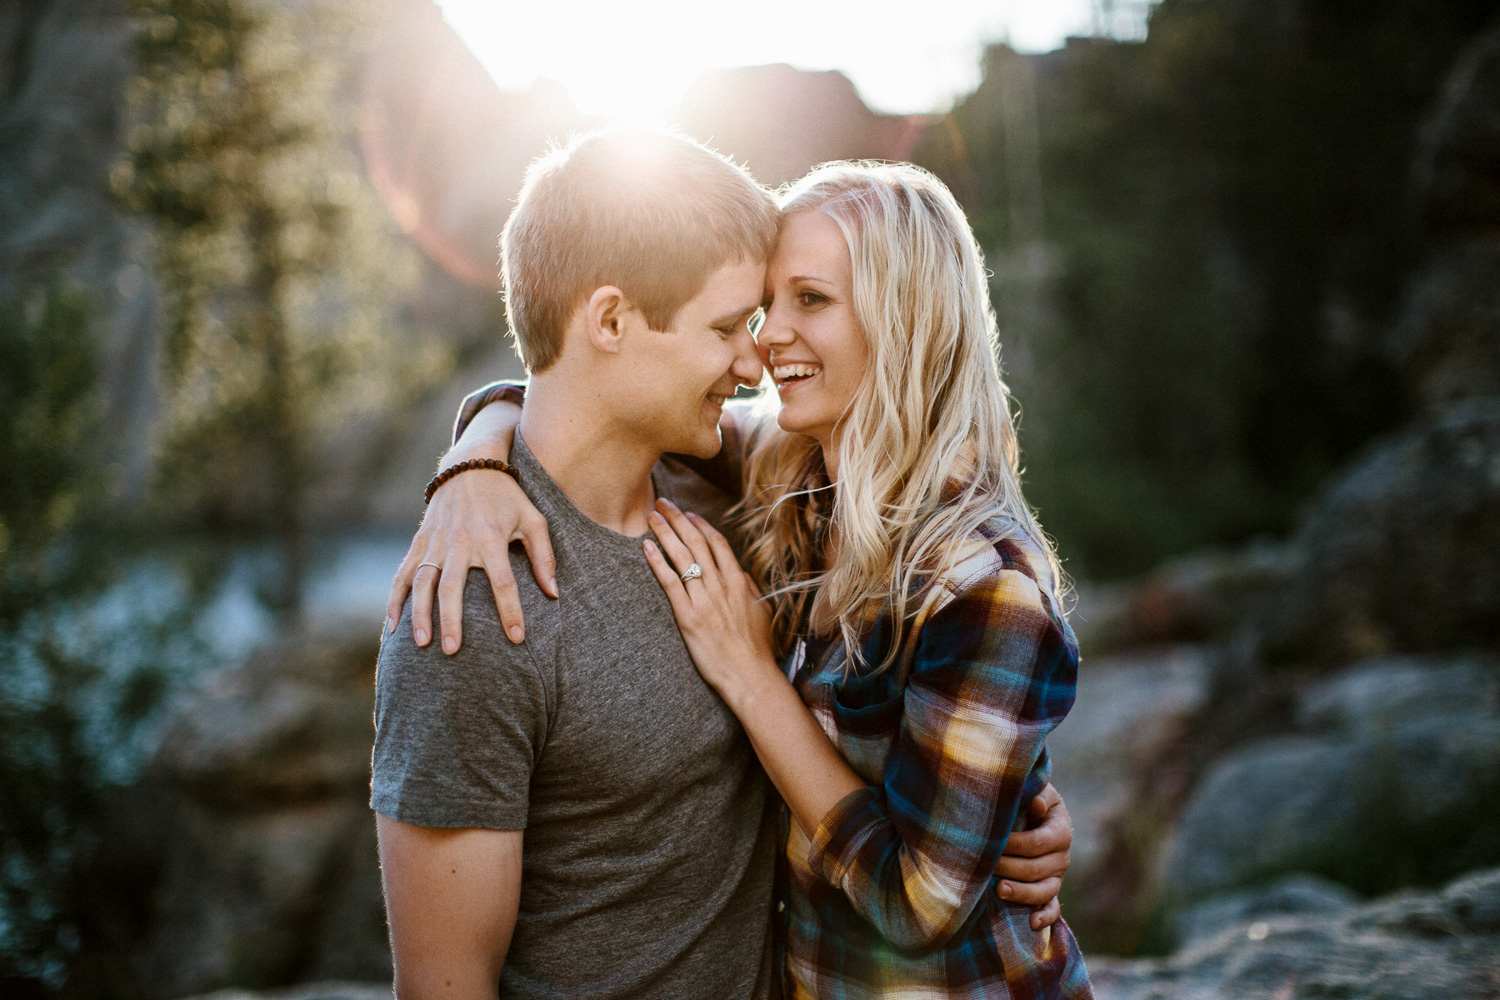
999,561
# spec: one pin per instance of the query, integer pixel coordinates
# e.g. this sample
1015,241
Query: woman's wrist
489,435
756,688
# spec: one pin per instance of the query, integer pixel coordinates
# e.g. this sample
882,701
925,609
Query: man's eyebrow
729,318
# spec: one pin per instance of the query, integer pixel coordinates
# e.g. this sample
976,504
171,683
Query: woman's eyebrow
810,277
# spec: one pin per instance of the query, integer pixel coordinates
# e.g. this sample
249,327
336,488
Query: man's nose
747,367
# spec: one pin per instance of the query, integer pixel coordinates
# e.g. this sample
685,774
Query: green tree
1199,243
78,695
272,265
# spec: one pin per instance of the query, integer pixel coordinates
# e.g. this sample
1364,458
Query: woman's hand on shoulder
726,626
470,523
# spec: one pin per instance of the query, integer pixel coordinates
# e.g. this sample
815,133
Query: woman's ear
606,318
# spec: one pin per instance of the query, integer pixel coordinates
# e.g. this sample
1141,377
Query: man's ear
607,317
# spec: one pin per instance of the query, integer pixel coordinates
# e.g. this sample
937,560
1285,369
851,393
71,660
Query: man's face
680,378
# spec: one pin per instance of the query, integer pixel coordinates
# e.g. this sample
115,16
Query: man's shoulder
485,652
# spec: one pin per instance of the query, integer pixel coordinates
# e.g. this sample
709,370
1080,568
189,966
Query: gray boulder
1458,162
1293,895
1131,710
1438,946
1400,555
268,870
1391,782
1448,337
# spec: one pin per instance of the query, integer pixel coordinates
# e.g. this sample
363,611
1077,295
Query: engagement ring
693,572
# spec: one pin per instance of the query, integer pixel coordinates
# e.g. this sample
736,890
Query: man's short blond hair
651,212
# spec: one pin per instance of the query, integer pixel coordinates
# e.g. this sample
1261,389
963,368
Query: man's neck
605,473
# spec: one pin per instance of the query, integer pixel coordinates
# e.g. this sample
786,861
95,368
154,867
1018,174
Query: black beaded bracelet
499,465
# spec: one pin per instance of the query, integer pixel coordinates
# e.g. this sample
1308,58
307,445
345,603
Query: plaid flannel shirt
893,895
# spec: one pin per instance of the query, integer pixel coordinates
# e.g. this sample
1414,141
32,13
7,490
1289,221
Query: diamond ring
693,572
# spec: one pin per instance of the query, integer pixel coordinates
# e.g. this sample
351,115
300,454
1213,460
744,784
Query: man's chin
705,444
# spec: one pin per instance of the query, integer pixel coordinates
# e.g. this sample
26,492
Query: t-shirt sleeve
457,737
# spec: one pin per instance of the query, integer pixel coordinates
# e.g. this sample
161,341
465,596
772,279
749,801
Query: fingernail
654,517
552,585
516,635
669,503
421,637
390,624
450,645
1006,889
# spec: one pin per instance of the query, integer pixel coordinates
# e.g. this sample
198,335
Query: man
633,264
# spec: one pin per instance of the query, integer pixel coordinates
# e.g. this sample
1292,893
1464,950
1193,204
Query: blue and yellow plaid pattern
893,895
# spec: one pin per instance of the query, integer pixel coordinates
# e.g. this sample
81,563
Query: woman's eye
807,298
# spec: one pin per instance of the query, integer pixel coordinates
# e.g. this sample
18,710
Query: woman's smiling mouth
787,375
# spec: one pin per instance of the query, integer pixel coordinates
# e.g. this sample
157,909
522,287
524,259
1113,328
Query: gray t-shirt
649,848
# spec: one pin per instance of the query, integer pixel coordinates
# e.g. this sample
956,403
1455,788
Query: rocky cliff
1327,708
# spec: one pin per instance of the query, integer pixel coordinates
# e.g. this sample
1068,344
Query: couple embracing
766,714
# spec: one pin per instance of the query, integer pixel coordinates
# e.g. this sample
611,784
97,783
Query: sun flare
632,61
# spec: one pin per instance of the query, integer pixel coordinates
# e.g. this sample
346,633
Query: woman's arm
964,756
992,675
473,519
471,522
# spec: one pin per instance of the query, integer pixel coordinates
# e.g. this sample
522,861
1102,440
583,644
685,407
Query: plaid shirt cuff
495,392
849,824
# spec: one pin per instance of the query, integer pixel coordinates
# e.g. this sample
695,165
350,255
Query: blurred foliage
82,678
273,258
1199,242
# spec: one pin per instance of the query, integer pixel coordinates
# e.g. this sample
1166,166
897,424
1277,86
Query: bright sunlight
633,61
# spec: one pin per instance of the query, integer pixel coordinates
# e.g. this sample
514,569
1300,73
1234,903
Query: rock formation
256,808
1413,946
1344,722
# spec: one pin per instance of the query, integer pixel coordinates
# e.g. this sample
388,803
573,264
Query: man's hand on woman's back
1035,860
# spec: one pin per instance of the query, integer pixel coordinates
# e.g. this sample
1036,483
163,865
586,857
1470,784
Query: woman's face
810,340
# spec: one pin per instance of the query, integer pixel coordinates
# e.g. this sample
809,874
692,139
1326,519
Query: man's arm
451,898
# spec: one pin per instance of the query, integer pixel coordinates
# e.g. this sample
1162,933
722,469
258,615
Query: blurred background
1246,259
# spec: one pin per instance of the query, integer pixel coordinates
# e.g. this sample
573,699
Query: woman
900,677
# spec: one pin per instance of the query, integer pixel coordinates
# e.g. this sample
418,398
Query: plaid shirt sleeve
993,672
510,392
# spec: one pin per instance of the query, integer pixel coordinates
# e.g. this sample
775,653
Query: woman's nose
775,330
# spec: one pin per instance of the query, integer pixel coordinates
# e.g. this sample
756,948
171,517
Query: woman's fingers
1047,915
503,587
1029,893
423,586
401,586
688,532
672,545
668,577
718,545
451,604
538,542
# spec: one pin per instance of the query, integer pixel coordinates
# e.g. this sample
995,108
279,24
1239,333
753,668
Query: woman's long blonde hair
927,448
